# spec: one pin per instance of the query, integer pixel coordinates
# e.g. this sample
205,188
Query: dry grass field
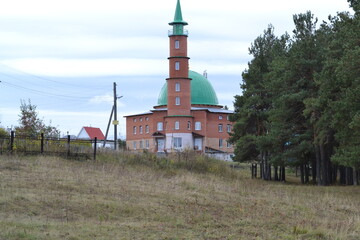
52,198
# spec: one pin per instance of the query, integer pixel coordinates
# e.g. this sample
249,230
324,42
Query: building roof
213,110
94,133
178,19
202,92
139,114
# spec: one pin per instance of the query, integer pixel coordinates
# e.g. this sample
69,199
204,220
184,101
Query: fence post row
42,144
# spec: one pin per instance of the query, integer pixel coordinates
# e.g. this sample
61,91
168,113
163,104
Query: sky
64,56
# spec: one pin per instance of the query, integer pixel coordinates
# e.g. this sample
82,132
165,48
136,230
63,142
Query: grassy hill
137,198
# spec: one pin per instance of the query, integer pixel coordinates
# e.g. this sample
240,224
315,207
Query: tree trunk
349,176
324,171
307,173
342,175
302,173
255,170
313,168
318,165
283,174
355,177
276,176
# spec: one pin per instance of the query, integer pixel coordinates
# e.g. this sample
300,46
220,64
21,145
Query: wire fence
64,147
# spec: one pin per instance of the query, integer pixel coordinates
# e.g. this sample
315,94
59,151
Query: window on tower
177,44
197,125
177,65
177,87
177,101
177,125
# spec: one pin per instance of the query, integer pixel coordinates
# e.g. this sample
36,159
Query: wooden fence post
68,146
12,141
42,143
95,146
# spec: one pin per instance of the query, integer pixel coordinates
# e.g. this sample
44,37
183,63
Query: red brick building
187,115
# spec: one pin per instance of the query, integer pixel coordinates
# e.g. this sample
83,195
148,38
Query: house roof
94,133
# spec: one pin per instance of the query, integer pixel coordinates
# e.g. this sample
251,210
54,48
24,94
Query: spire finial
178,15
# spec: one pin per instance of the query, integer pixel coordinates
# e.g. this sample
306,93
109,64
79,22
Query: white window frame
177,66
220,127
220,117
177,44
177,101
147,144
134,130
198,126
177,87
147,129
220,143
160,126
228,128
177,125
177,142
189,125
141,130
134,145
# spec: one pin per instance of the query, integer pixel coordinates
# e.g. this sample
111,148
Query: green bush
186,160
4,133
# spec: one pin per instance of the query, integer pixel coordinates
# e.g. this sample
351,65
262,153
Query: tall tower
179,120
179,94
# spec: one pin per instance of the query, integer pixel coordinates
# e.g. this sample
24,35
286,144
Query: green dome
202,91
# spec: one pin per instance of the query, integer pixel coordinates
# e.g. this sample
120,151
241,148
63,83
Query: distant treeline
300,104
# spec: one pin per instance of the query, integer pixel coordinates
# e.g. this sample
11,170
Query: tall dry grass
144,197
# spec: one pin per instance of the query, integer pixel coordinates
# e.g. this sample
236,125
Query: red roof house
91,133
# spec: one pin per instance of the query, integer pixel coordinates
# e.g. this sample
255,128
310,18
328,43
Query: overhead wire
38,77
41,92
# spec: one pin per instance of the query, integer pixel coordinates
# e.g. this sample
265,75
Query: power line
41,92
38,77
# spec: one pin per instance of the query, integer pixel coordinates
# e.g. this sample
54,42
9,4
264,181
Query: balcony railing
178,32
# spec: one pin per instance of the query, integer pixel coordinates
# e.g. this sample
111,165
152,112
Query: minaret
178,121
178,83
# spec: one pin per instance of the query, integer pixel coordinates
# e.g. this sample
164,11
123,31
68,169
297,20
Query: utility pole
115,117
108,126
115,122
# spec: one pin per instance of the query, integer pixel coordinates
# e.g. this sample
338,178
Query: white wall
187,141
